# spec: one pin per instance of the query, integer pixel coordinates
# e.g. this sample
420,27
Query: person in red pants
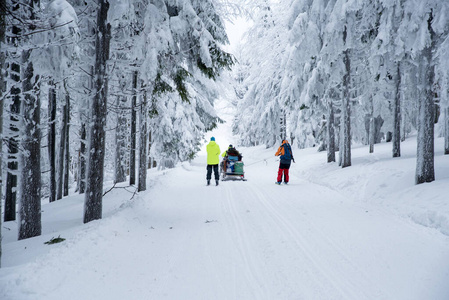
286,156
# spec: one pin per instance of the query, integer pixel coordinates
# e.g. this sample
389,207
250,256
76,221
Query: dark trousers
209,172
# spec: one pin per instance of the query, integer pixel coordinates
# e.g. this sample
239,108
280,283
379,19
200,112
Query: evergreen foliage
384,45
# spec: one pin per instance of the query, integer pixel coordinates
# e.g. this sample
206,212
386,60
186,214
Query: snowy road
240,240
302,241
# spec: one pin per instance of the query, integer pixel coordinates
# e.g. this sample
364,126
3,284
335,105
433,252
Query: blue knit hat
212,139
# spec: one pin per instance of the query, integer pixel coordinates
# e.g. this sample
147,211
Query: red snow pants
283,169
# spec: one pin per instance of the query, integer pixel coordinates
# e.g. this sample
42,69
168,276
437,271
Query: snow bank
384,181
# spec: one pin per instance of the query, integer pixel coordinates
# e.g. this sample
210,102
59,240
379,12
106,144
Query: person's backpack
287,152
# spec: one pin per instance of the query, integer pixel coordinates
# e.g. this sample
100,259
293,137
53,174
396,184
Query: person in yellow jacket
213,152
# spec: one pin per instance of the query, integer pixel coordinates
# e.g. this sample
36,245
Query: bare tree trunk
397,114
330,133
372,128
94,188
30,197
13,147
67,144
425,168
52,139
120,136
2,90
283,123
82,159
61,152
345,151
142,186
85,115
132,155
445,96
150,159
446,131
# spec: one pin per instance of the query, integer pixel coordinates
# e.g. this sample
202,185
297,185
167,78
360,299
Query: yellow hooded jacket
213,151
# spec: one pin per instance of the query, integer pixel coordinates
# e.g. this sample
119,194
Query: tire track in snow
242,245
348,287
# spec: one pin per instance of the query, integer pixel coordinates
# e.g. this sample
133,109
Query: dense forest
91,88
330,73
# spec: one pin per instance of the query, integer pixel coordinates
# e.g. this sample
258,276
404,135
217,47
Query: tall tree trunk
120,136
82,159
425,169
67,144
2,90
283,123
132,154
150,159
52,139
94,188
397,114
142,186
372,127
345,151
84,113
445,101
30,196
62,151
446,131
13,147
330,132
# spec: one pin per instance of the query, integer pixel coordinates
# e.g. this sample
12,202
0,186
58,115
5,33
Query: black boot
208,182
216,182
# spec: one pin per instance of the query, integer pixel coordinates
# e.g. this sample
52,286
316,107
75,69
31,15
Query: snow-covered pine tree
366,64
260,111
55,61
327,59
331,147
442,74
62,147
445,108
30,190
304,80
385,61
133,137
125,23
2,102
87,12
425,169
187,37
95,174
430,33
397,112
120,139
66,127
143,144
345,140
341,39
14,108
51,138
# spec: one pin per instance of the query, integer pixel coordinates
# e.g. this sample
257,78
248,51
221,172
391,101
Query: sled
234,169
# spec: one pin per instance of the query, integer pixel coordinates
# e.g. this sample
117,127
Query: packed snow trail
240,240
300,241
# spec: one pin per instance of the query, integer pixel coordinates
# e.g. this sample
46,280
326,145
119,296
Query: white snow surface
362,232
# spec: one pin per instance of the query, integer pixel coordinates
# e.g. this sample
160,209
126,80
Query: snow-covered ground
363,232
